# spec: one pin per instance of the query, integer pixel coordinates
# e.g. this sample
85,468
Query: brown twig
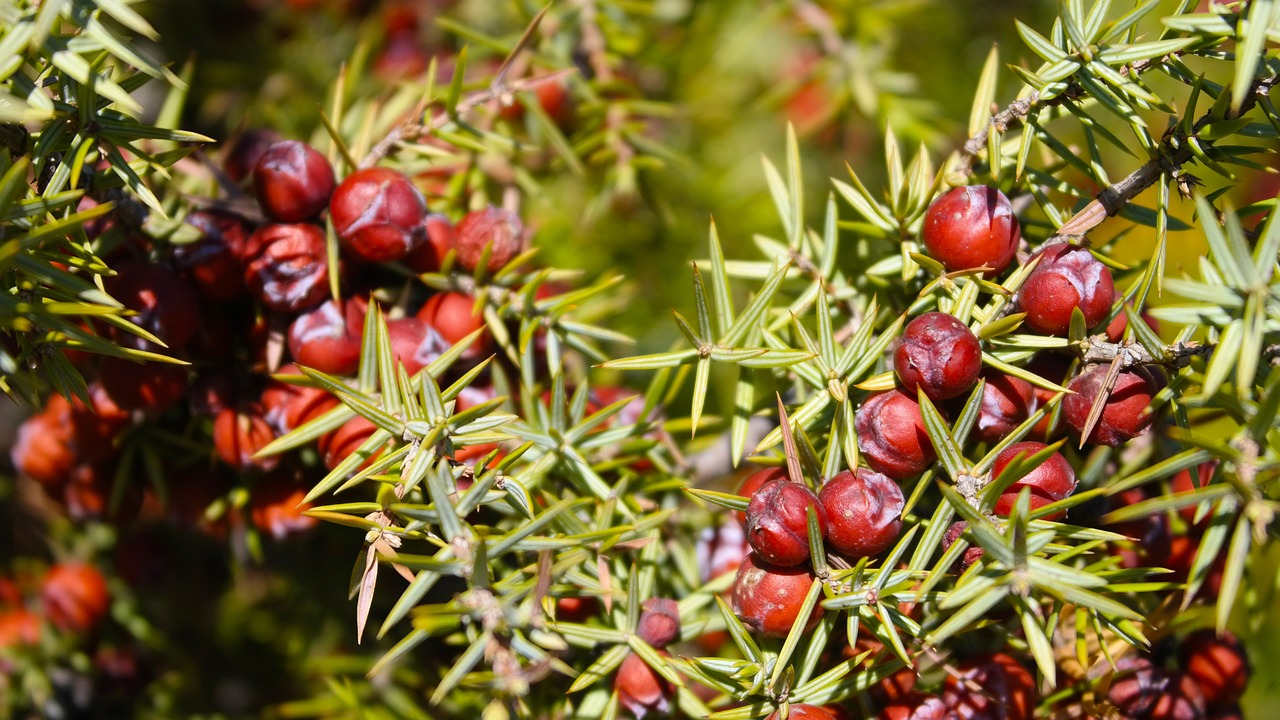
1098,350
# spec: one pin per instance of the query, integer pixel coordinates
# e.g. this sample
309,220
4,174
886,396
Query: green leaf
946,447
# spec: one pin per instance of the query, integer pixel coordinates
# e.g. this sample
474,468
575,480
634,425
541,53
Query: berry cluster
1207,684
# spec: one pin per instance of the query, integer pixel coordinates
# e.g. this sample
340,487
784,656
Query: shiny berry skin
429,254
864,512
1126,414
1007,401
971,226
338,445
153,387
659,622
453,316
165,305
917,706
491,226
1010,691
768,598
237,435
213,261
891,435
293,181
1136,685
327,338
1053,479
1182,700
640,689
378,215
754,482
287,266
938,354
415,343
287,406
1066,278
778,521
1218,665
75,597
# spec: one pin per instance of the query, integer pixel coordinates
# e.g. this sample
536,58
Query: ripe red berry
1007,401
659,622
453,316
378,215
864,512
237,435
1053,479
1126,414
75,597
1066,278
971,554
778,521
1136,685
293,181
768,598
213,261
1218,665
491,227
164,303
1007,690
327,338
415,343
153,387
44,449
429,255
754,482
289,406
287,266
338,445
805,711
1055,368
891,435
1182,700
89,494
640,689
971,226
576,609
1116,328
276,507
917,706
938,354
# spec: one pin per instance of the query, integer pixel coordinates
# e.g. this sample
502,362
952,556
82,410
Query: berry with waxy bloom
938,354
378,215
864,512
75,597
1066,278
640,688
1218,665
778,521
1126,414
768,598
1136,685
293,181
659,622
327,337
891,435
1009,691
971,226
493,227
287,266
1006,403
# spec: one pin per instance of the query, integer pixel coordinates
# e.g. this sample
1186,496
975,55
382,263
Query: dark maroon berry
1182,700
778,521
1066,278
938,354
1006,404
242,154
1136,685
153,387
660,622
378,215
293,181
287,267
328,337
768,598
891,435
1053,479
917,706
972,226
1054,368
755,481
491,227
166,305
864,512
1008,691
429,255
971,554
213,261
1126,414
1218,665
